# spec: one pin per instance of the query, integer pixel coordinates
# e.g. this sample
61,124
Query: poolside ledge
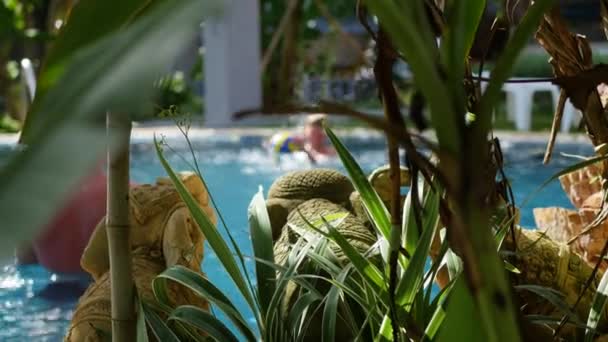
144,132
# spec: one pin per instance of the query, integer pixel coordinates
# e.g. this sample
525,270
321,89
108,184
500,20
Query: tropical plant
264,299
461,116
115,61
356,292
177,91
463,150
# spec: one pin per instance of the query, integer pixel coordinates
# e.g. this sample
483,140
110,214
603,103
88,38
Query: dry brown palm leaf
552,36
570,53
570,57
557,123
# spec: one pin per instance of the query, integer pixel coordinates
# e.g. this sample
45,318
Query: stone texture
163,234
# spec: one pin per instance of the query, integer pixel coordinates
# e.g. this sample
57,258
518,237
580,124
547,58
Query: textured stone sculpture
303,196
544,262
294,188
574,227
352,228
162,235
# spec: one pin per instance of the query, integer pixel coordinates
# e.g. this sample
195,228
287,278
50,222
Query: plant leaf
411,233
203,320
299,311
261,237
386,330
89,22
294,260
511,268
330,312
597,308
414,274
548,320
159,328
462,19
439,315
370,273
506,61
115,73
462,319
554,297
204,288
402,26
372,202
215,240
142,332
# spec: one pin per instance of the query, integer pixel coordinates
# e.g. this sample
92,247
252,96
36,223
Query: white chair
519,103
572,117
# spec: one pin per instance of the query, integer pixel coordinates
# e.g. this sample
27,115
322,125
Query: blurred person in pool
312,141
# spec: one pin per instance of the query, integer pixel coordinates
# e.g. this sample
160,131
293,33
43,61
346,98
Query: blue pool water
233,171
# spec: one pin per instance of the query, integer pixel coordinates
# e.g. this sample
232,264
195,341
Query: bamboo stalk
117,227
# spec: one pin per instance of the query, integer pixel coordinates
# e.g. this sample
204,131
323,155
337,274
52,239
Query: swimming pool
234,168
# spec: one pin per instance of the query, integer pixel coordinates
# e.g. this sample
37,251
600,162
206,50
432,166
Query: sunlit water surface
233,173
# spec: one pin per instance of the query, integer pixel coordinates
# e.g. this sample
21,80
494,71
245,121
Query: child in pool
312,141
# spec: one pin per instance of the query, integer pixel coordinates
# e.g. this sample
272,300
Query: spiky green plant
264,299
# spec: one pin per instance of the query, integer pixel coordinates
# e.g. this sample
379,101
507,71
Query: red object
61,243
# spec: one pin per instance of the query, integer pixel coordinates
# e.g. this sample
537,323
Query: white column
232,63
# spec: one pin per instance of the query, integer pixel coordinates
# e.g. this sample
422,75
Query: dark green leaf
370,273
401,24
506,61
204,288
159,328
597,308
299,311
462,319
386,330
462,21
204,321
439,315
372,202
142,332
297,255
410,229
330,312
554,297
413,277
554,321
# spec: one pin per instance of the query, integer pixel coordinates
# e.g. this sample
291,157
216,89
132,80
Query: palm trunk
117,226
289,56
383,73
